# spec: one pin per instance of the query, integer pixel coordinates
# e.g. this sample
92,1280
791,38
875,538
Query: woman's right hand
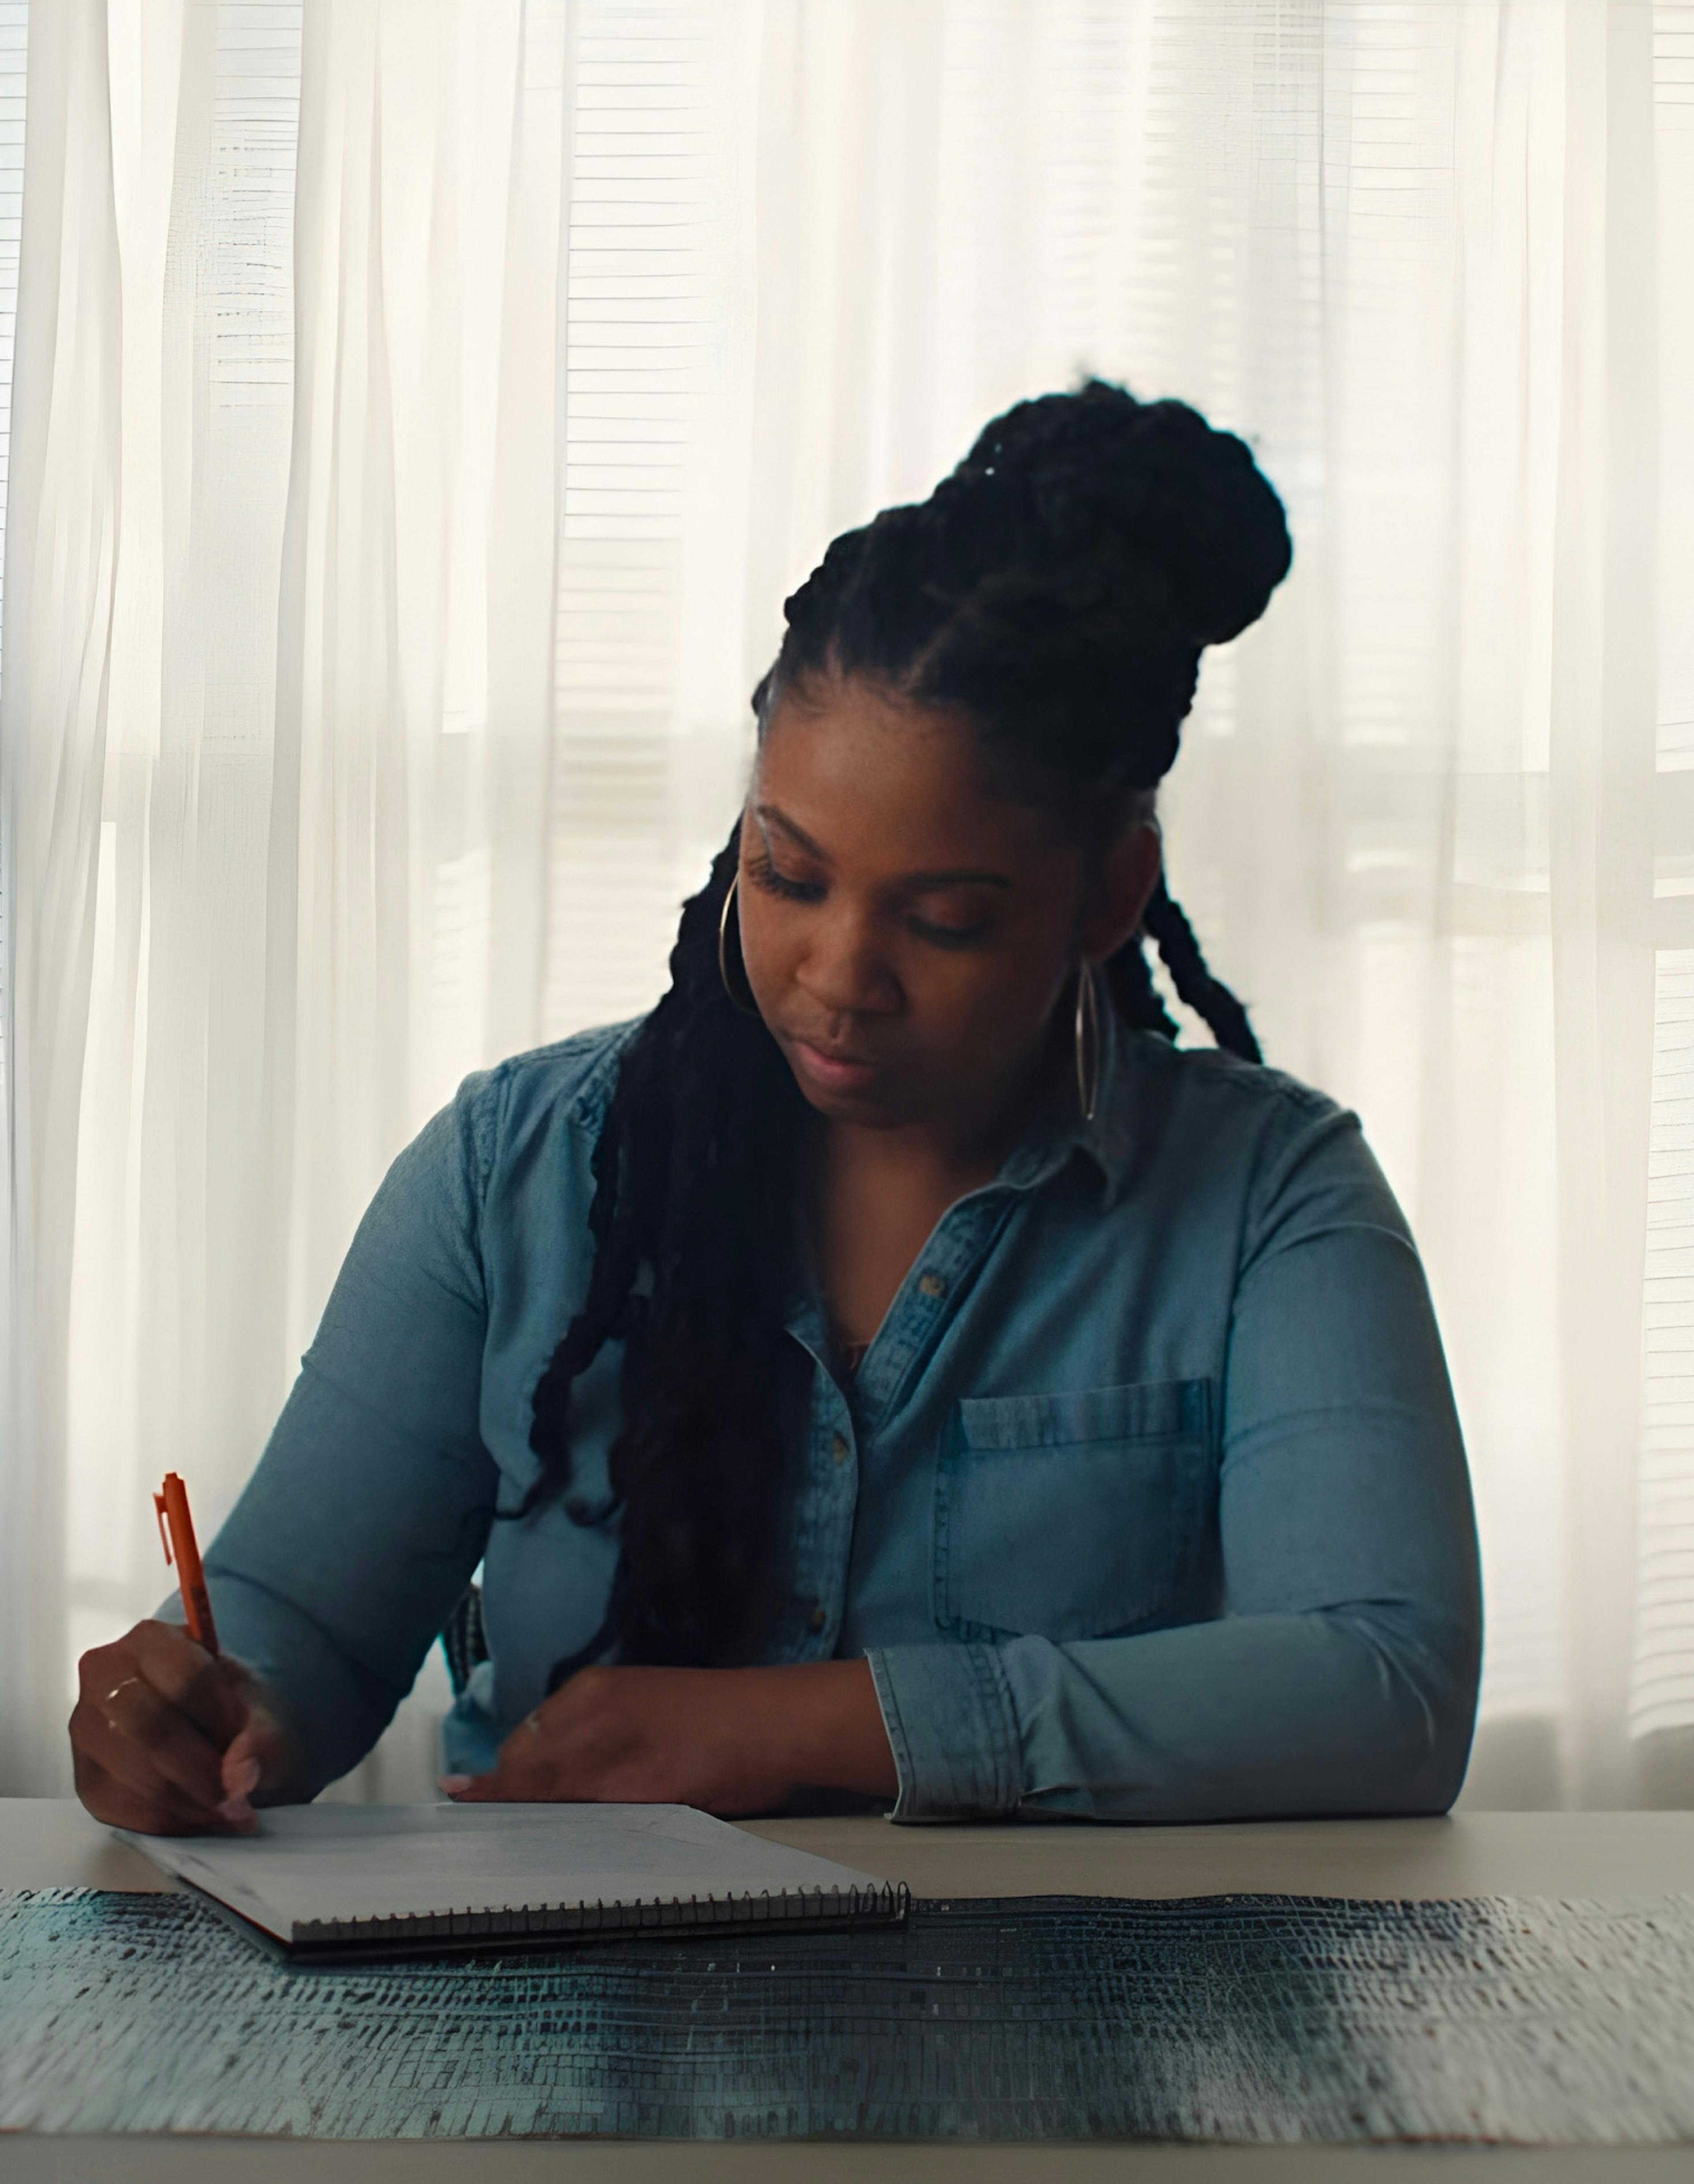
168,1739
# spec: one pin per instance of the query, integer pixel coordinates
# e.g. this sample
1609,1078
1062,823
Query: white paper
313,1863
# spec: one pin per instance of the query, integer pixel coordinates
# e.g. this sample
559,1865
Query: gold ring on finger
116,1688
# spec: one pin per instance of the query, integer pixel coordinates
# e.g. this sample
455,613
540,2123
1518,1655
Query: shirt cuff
948,1715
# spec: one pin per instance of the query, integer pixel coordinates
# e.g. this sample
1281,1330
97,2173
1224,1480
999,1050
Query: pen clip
163,1535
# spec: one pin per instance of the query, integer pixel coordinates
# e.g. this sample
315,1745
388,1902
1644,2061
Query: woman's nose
845,971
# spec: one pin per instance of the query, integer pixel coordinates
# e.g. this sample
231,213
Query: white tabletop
45,1843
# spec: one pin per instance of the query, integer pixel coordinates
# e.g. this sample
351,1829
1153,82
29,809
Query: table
46,1842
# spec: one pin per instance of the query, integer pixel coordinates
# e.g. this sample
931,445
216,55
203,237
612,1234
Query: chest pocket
1076,1516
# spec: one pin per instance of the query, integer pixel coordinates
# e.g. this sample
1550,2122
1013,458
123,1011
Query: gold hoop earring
747,1007
1088,1038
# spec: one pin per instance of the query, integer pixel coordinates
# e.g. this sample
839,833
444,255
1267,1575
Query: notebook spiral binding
692,1915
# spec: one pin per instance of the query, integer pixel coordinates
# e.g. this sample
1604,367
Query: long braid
1210,999
1056,589
696,1172
1130,980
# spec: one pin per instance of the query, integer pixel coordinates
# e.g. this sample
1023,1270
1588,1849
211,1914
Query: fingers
242,1769
276,1745
119,1785
534,1765
154,1717
527,1771
588,1741
210,1690
135,1737
502,1788
725,1739
242,1772
120,1806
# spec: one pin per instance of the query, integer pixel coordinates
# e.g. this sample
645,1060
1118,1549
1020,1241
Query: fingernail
245,1780
452,1785
237,1812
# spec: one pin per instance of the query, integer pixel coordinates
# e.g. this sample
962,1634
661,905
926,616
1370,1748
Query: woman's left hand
730,1740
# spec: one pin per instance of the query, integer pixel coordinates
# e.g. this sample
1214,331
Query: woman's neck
875,1197
953,1153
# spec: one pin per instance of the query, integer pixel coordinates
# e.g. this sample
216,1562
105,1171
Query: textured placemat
1248,2017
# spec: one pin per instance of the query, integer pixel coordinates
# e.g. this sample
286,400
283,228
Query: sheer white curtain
421,408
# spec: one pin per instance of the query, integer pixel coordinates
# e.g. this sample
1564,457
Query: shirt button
817,1620
932,1285
838,1448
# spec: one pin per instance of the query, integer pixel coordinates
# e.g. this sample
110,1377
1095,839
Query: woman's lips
840,1073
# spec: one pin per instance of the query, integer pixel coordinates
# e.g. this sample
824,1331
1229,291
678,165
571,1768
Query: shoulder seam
1250,1078
581,1101
488,1108
587,1109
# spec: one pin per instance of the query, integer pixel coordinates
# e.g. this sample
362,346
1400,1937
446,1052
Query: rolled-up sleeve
370,1506
1341,1675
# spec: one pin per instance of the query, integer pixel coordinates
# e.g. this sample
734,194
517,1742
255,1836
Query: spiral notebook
371,1883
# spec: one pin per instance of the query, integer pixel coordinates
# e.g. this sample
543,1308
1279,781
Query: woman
964,1398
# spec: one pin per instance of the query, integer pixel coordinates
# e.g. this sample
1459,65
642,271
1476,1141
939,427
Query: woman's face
908,933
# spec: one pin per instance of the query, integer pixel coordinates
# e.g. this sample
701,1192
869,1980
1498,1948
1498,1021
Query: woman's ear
1122,889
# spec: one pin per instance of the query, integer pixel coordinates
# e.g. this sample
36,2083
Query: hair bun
1152,480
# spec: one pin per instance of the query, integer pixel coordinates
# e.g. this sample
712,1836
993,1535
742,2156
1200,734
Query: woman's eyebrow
770,816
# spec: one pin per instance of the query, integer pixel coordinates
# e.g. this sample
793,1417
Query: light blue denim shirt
1148,1501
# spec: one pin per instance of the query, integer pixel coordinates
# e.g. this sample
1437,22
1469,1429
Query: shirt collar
1056,1136
1059,1131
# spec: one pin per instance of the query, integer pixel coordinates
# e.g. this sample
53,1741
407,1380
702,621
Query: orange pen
176,1530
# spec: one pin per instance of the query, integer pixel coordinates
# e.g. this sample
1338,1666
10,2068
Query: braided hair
1056,590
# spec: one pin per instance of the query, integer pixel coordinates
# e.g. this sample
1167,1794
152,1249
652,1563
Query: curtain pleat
61,571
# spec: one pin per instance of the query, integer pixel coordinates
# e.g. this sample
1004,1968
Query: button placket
963,1238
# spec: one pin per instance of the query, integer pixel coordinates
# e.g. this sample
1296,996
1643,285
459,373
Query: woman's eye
764,874
948,936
